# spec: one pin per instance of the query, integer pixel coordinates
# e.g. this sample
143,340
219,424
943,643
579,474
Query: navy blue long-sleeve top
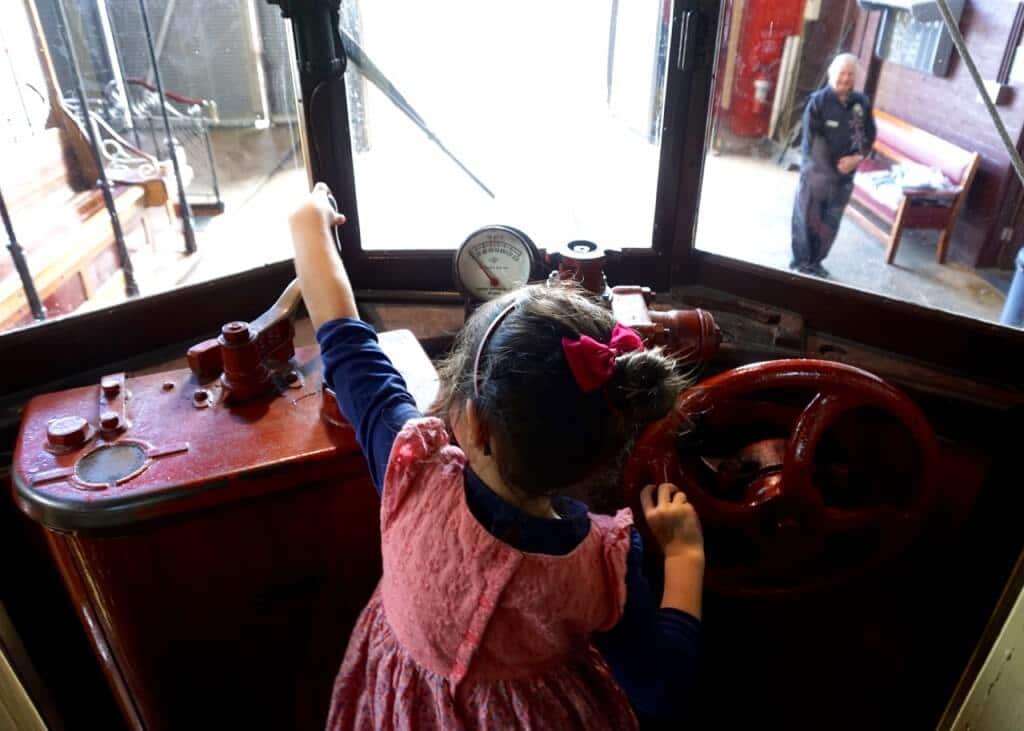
833,129
652,651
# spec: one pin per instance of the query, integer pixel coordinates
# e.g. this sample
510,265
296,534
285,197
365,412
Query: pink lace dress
465,631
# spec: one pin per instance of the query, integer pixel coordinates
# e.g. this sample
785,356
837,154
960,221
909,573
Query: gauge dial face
493,261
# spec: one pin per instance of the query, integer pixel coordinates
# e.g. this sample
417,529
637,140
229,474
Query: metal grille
205,52
88,34
189,125
221,62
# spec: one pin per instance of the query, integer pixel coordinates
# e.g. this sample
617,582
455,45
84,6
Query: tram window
228,85
930,216
582,124
545,116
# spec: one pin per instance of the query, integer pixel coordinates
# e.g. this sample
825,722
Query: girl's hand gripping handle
325,285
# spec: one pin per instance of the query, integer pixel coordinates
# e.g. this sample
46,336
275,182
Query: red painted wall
766,24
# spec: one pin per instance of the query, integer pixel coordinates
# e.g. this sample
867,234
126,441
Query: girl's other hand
315,214
672,520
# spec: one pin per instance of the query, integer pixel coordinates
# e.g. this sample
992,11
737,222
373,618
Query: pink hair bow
593,363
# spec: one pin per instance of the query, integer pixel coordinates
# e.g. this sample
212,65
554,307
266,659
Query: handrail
180,98
18,256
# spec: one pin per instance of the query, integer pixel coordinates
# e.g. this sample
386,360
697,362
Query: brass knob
110,421
111,387
67,432
236,333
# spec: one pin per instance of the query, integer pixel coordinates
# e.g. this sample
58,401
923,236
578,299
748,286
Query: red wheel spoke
798,472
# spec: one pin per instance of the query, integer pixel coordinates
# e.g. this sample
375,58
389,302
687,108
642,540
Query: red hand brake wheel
782,515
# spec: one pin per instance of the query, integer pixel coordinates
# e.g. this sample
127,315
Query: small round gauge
493,261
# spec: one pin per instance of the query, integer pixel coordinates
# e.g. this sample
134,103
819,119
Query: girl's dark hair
550,436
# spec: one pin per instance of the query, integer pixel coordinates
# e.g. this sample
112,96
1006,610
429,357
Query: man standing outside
838,132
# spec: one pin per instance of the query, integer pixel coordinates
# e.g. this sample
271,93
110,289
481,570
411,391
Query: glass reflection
865,171
201,171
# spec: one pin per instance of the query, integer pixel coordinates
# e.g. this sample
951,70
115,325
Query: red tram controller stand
216,527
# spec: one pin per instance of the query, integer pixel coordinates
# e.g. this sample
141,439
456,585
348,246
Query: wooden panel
831,31
33,167
236,617
70,245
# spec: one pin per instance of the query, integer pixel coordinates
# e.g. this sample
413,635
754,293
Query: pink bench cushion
924,148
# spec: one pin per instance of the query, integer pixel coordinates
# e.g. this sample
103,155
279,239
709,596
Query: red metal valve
689,335
246,376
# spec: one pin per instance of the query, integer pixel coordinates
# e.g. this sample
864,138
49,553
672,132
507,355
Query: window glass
886,175
231,118
544,116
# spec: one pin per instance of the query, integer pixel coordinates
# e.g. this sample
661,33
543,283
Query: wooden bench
63,229
922,208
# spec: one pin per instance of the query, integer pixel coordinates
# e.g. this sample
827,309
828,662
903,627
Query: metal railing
151,106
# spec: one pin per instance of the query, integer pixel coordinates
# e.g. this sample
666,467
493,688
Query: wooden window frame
73,349
325,107
965,346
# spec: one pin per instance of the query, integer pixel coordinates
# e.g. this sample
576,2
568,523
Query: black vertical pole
187,228
130,287
38,311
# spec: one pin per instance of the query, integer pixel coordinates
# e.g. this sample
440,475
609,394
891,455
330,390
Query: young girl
503,603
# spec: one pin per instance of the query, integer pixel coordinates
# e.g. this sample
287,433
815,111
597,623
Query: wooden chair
899,142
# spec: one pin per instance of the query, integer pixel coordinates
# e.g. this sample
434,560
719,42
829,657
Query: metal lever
244,348
285,308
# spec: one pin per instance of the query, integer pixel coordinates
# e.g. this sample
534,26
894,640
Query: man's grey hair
838,63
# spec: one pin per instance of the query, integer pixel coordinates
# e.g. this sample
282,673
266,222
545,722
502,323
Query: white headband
483,343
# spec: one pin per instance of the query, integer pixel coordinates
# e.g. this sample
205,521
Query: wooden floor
261,175
745,213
